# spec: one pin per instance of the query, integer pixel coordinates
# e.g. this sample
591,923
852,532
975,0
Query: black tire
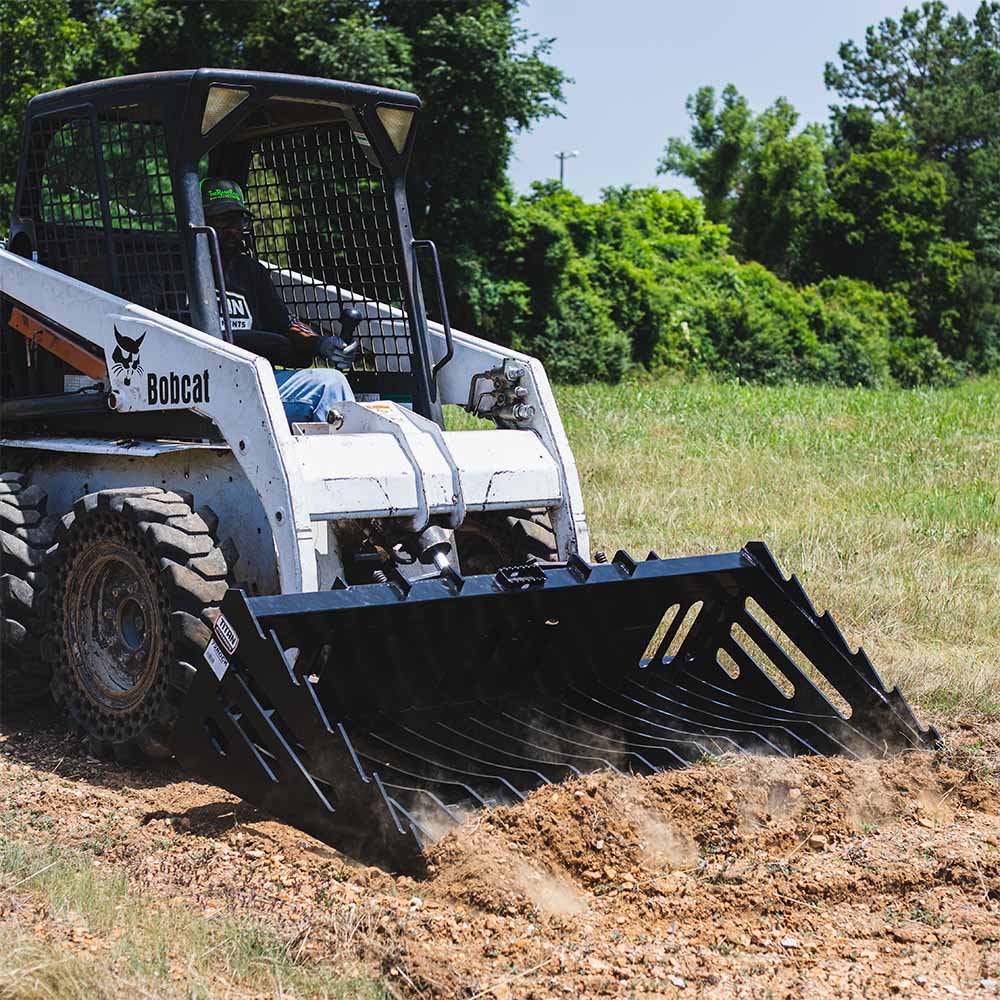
487,542
135,587
27,532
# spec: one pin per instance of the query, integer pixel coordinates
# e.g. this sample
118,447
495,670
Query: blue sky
635,61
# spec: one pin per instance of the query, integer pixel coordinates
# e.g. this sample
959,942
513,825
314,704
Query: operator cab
108,192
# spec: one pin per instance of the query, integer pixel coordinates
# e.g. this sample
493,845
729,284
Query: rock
416,903
925,822
679,981
794,793
790,942
818,842
610,873
989,984
599,845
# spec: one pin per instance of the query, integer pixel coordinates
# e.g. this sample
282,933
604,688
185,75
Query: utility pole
562,157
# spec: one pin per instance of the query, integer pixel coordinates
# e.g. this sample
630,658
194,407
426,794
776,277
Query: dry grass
105,942
31,970
886,505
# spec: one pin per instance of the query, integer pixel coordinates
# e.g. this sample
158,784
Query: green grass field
886,504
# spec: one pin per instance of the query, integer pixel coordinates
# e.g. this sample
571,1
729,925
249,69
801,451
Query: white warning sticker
216,659
226,634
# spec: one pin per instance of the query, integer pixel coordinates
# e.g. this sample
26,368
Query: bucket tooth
832,631
403,709
797,594
624,562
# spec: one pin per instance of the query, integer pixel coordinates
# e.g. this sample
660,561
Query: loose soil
743,878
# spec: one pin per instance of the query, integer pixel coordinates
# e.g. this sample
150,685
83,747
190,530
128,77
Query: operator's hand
337,351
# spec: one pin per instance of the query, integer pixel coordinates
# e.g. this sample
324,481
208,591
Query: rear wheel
137,583
505,538
27,532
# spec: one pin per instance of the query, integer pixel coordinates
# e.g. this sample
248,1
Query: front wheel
27,533
138,581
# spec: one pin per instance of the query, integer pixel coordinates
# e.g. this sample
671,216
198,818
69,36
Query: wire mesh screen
139,255
322,217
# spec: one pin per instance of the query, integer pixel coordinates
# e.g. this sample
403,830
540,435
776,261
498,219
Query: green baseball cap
219,196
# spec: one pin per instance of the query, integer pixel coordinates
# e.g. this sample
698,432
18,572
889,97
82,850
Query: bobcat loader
365,626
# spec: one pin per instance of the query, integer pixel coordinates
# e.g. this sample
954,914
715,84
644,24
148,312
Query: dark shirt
259,318
261,308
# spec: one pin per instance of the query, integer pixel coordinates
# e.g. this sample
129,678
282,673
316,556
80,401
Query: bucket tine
551,771
669,753
813,738
433,765
412,738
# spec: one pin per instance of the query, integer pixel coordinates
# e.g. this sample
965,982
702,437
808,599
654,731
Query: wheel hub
113,623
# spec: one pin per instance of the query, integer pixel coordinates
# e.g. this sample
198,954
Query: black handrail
220,280
442,303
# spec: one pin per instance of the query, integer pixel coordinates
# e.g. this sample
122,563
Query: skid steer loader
369,625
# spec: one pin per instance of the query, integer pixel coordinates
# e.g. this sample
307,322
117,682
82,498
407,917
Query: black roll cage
177,99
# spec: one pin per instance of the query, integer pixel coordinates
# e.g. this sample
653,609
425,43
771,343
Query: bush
856,324
643,278
578,341
918,361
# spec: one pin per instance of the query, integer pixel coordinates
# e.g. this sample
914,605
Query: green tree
714,158
784,191
939,74
756,173
45,45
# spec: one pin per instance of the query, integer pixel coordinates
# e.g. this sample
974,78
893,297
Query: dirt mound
746,877
607,830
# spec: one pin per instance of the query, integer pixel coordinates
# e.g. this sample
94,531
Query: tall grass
885,503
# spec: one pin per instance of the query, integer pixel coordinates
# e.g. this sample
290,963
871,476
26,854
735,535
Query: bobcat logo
126,357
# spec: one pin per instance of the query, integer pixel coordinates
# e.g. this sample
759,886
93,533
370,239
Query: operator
260,321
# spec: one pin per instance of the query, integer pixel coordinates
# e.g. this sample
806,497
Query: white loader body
280,492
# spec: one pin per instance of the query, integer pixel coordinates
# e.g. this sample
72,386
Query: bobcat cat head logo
126,357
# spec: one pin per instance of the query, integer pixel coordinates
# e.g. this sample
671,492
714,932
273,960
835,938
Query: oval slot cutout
774,675
728,664
792,651
657,637
686,625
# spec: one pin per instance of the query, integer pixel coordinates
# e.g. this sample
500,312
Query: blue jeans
308,394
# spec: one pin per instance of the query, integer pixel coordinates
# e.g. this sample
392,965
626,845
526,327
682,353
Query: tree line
862,250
